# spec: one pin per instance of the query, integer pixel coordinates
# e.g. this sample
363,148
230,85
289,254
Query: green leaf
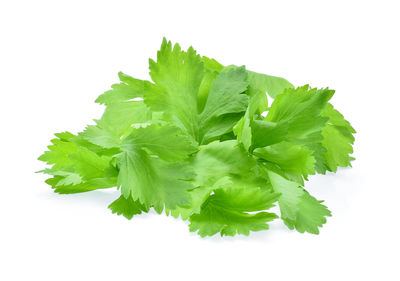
75,167
127,207
155,182
295,116
298,208
197,197
337,139
226,94
57,154
216,165
225,98
65,178
220,127
295,161
266,133
227,212
166,141
212,68
128,89
101,137
212,64
203,102
117,121
242,129
88,164
118,118
89,185
260,84
219,159
248,126
177,76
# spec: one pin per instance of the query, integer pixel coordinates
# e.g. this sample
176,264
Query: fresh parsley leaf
127,207
298,208
153,181
337,139
295,161
180,77
128,89
227,212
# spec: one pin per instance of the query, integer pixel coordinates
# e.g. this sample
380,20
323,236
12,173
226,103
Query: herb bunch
201,142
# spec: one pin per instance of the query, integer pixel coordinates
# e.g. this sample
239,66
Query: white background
56,57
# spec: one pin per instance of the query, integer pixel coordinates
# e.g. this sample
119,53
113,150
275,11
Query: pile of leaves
201,142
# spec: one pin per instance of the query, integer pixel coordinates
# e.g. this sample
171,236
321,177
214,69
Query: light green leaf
75,167
294,160
337,139
101,137
66,178
260,84
153,181
225,98
212,68
88,164
219,127
219,159
298,208
57,154
226,94
217,165
177,76
128,89
89,185
295,116
227,212
299,111
166,141
127,207
266,133
204,102
119,117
